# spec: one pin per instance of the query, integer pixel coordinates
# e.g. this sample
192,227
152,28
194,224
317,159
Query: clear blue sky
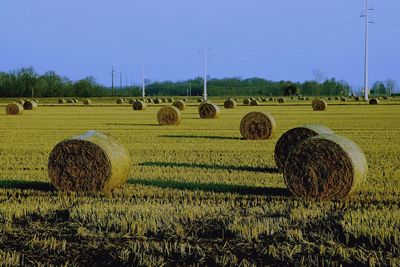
284,39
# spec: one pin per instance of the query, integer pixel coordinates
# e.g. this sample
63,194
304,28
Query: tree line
25,82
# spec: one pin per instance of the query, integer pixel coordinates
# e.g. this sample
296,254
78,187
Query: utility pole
205,72
366,90
143,85
112,80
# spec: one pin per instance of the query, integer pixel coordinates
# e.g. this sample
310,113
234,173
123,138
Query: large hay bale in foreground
229,103
254,102
246,101
169,116
281,100
88,163
257,125
208,111
139,105
120,101
325,167
319,104
30,105
87,101
374,101
180,104
61,101
14,109
292,138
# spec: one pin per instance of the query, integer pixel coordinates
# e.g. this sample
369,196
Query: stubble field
197,193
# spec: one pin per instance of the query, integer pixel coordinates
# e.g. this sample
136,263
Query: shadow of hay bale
26,185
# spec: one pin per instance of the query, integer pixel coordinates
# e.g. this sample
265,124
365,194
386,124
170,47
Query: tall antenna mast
112,80
366,90
205,72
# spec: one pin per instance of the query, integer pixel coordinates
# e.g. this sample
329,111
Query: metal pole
112,80
366,91
205,72
143,86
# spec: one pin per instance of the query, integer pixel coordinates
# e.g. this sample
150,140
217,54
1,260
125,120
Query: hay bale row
325,167
257,126
208,111
170,115
319,105
14,109
139,105
229,103
89,163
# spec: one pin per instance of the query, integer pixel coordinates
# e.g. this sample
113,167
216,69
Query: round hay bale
263,99
325,167
149,100
21,102
208,111
170,115
88,163
164,100
120,101
157,101
254,102
330,98
357,98
270,99
199,100
292,138
185,99
307,98
131,101
36,100
170,100
87,101
139,105
374,101
343,99
180,104
75,100
319,104
61,101
281,100
257,125
385,98
246,101
14,109
336,98
30,105
229,103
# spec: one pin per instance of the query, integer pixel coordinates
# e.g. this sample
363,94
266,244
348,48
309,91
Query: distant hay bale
281,100
120,101
89,163
270,99
21,102
157,101
180,104
343,99
199,100
30,105
329,98
263,99
139,105
374,101
164,100
75,100
336,98
327,167
131,101
14,109
170,100
229,103
61,101
70,101
149,100
169,115
357,98
246,101
87,101
254,102
385,98
36,100
319,104
208,111
257,125
292,138
185,99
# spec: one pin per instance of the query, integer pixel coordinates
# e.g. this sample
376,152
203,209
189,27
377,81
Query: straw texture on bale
292,138
61,101
139,105
169,116
281,100
208,111
246,101
14,109
325,167
229,103
254,102
180,104
319,104
88,163
374,101
30,105
257,126
87,101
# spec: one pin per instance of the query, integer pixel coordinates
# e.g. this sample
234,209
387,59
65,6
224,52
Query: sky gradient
276,40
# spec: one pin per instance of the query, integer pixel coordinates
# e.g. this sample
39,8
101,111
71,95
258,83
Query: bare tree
391,85
319,75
